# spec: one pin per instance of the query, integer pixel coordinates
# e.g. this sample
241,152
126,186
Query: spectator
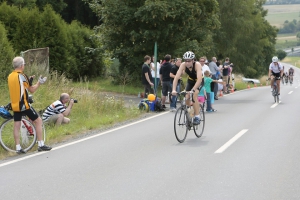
202,95
146,76
165,79
207,85
214,70
57,112
19,85
172,76
202,61
225,68
155,79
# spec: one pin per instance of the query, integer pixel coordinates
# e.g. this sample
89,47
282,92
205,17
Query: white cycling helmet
275,59
188,55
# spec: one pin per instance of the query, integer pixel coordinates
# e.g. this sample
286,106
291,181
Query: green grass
277,19
292,60
93,110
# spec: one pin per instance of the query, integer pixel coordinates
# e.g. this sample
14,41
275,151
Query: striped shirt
55,108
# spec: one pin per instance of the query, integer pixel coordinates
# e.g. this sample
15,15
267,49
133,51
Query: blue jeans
208,108
174,98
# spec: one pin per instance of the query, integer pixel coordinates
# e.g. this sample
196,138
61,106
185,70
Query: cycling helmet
275,59
188,55
4,113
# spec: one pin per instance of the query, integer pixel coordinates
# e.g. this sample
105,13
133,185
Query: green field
277,14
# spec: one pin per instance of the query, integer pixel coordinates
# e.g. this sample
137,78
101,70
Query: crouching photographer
57,112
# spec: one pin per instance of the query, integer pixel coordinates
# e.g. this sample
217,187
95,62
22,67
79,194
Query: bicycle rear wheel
180,124
199,129
27,135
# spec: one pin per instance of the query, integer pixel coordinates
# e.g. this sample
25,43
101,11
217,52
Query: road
249,150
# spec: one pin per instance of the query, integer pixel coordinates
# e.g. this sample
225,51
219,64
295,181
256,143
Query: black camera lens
75,101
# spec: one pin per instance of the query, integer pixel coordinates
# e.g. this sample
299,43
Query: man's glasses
188,61
202,60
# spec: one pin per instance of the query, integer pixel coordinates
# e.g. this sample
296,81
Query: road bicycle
286,80
275,91
183,120
291,79
27,132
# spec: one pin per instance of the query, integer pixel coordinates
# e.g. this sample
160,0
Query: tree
130,28
281,54
245,36
6,54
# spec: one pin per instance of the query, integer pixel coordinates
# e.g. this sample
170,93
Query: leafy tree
281,54
21,3
6,54
57,5
245,36
130,28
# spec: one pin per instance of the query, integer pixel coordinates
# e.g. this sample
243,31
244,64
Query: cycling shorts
277,75
30,113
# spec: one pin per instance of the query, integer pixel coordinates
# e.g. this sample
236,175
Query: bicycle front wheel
27,135
180,124
199,129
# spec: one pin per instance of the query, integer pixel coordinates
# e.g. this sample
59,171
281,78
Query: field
277,14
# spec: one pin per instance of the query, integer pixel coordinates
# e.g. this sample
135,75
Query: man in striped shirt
57,112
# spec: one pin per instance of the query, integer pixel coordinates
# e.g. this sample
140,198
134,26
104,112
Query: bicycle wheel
199,129
180,124
27,135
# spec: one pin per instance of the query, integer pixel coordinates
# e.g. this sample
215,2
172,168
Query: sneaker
172,109
44,148
196,121
213,110
21,151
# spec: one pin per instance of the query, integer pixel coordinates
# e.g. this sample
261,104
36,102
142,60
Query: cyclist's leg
38,123
278,85
196,103
17,126
188,88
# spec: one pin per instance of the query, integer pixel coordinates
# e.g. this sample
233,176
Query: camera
30,99
75,100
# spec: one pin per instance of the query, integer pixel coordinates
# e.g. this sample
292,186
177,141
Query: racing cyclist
291,74
194,71
275,69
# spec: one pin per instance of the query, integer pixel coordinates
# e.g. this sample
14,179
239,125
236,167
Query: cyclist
275,69
194,71
291,74
19,85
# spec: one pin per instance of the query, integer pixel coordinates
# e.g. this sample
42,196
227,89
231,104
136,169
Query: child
207,82
202,95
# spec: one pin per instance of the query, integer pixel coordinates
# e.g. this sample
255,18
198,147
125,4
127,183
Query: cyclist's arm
270,72
198,69
33,88
177,77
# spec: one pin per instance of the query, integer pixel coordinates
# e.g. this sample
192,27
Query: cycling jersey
192,74
18,84
276,68
291,71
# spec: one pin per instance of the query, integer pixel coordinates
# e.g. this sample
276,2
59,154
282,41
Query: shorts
277,75
190,85
225,79
52,119
166,87
201,99
30,113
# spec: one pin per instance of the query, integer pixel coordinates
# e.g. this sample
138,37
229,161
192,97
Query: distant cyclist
291,74
275,69
194,71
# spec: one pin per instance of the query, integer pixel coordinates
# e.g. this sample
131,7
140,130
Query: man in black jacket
165,78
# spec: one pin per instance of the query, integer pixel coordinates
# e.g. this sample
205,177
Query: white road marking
275,104
231,141
78,141
290,92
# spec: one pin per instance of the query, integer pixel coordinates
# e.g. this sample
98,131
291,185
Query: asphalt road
249,150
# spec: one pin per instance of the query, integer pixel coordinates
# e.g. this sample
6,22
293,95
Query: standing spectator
19,85
146,76
214,69
230,72
172,75
165,79
202,61
155,79
225,68
207,85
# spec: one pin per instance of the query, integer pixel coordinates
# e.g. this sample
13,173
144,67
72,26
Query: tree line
127,30
222,28
268,2
74,48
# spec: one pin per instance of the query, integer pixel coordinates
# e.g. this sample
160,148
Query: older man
19,85
57,112
214,69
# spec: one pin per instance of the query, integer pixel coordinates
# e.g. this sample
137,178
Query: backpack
158,106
